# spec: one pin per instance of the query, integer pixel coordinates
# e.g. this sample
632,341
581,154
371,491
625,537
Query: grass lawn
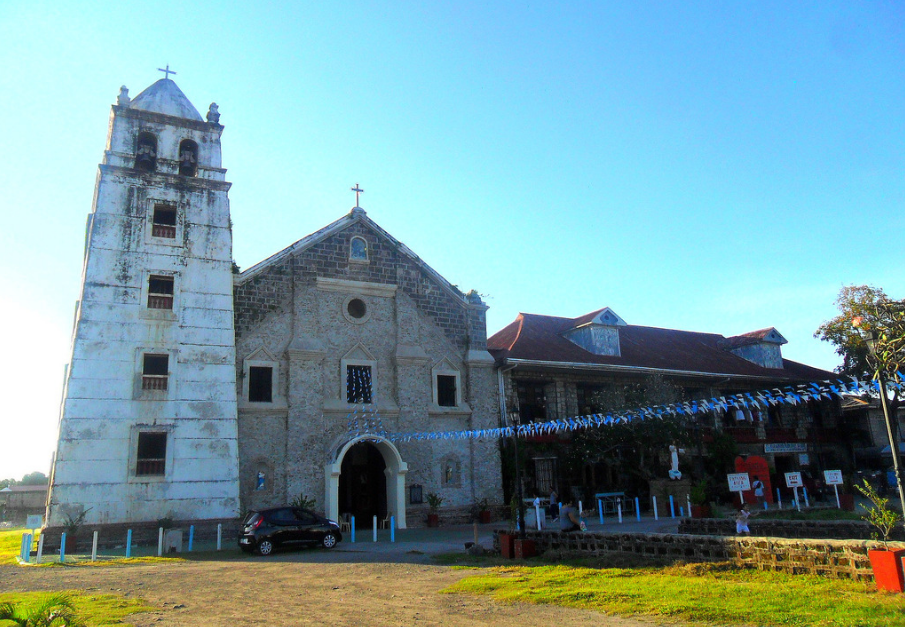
11,542
707,593
93,609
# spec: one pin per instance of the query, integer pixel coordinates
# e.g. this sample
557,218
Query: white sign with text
833,477
793,480
739,482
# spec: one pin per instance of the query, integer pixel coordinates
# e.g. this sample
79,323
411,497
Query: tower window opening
151,457
358,384
146,152
188,158
446,390
163,223
155,372
160,292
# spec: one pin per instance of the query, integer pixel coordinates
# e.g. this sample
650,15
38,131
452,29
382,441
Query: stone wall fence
837,559
835,529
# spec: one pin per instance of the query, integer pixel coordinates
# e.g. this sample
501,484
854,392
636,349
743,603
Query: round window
357,308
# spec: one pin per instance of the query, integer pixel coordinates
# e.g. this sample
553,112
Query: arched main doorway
362,484
366,478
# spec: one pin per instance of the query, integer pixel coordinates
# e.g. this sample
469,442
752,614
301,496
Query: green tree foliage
34,478
871,308
635,448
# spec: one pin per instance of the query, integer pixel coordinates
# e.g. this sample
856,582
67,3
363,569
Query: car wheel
329,541
265,547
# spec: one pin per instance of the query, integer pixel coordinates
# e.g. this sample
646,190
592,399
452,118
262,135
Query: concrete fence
838,530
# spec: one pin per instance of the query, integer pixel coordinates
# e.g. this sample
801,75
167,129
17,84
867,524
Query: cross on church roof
166,72
358,192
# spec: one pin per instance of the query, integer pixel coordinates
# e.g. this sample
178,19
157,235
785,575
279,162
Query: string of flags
362,421
789,395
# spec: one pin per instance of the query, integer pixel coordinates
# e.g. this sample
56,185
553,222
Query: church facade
194,393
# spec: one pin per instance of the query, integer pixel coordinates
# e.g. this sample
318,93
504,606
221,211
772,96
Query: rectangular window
164,221
155,372
151,458
545,475
358,384
532,402
446,390
160,292
260,384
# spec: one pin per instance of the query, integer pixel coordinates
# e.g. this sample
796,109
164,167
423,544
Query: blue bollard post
778,498
681,512
352,527
600,510
392,528
63,547
191,536
672,506
637,509
129,544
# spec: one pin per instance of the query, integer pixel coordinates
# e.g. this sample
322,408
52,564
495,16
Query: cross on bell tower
167,72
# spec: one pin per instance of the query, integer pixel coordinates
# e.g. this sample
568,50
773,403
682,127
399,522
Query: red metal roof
539,338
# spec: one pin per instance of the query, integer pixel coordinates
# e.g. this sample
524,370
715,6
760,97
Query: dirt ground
298,589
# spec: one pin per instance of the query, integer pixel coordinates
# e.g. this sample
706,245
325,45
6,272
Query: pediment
260,354
359,353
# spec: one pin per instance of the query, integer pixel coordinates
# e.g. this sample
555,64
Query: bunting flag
763,399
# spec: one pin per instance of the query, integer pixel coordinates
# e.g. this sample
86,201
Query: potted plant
483,507
886,563
71,527
434,501
507,539
700,508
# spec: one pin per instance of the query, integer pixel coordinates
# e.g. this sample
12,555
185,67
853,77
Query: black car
264,530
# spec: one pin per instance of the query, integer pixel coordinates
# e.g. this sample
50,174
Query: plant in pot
886,563
71,527
434,501
483,509
700,508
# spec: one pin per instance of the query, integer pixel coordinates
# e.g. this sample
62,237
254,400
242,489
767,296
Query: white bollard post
537,516
688,501
40,549
94,547
619,509
580,509
656,513
375,528
159,541
219,536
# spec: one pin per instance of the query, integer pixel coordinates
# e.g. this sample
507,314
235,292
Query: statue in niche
261,480
674,472
213,113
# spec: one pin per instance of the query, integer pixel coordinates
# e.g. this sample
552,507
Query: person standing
758,487
553,507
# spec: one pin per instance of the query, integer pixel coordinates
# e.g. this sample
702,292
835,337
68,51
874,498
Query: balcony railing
163,230
154,381
145,467
160,301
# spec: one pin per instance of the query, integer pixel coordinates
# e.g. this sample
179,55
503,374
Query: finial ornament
213,113
123,99
358,192
166,72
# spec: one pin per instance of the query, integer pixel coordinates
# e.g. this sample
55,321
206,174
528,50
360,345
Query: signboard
34,521
739,482
833,477
793,480
786,447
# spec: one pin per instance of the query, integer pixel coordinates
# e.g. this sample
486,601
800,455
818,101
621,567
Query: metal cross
166,72
357,191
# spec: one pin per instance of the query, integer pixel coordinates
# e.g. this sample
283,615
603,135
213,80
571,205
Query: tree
854,301
34,478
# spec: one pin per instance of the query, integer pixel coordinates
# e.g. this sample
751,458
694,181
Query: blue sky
707,166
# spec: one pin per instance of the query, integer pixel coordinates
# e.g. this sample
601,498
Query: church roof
538,338
356,215
165,97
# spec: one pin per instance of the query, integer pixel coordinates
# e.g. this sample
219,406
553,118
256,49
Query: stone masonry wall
837,559
840,530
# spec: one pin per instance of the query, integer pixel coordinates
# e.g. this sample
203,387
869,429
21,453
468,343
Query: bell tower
148,425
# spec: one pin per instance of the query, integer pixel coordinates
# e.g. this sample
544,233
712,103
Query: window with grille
160,292
151,457
155,372
358,384
532,401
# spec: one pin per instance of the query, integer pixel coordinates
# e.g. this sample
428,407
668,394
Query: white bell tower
148,422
